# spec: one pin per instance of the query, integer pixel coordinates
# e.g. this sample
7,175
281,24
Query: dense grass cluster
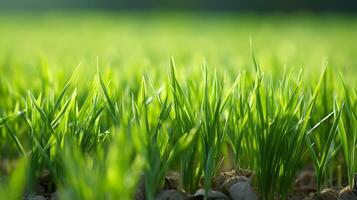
99,133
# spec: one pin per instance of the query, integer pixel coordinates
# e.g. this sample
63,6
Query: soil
228,185
348,194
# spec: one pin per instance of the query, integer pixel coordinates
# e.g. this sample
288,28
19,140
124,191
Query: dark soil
234,184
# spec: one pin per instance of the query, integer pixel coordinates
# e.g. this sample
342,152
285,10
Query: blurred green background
143,35
149,39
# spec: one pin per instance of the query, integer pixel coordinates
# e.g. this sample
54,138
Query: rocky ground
233,185
229,185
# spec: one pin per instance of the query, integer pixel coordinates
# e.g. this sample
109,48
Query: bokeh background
143,35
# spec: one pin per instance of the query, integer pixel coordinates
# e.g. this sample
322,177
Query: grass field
100,106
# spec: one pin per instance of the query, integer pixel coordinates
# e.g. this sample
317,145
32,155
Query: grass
321,159
127,115
348,134
278,128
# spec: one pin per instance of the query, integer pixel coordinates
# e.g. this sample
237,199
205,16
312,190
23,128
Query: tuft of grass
348,132
278,125
184,120
321,159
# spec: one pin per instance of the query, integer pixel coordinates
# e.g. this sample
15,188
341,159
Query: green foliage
16,183
277,127
348,133
104,129
114,176
322,159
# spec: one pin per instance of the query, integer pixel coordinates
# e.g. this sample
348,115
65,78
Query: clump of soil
305,182
348,193
326,194
236,184
172,181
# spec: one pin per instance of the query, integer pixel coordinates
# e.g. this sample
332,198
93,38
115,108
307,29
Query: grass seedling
185,119
161,145
322,159
237,123
348,133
